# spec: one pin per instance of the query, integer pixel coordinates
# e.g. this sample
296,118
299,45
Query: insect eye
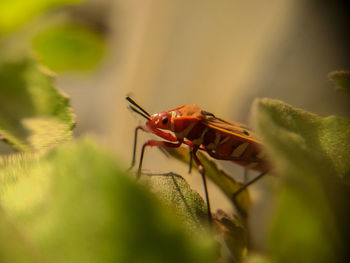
246,133
165,120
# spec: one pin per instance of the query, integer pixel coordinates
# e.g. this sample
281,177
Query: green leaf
317,143
69,47
34,115
176,194
76,205
15,13
256,258
13,247
341,79
226,183
312,154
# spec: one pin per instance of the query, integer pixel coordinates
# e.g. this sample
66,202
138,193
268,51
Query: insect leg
191,146
202,172
190,162
134,149
248,183
245,175
155,143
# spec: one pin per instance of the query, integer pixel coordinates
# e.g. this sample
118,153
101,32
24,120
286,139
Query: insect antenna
139,112
137,106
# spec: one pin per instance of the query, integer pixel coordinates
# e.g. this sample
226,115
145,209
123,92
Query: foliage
75,204
15,13
69,201
60,42
34,114
69,47
176,194
312,155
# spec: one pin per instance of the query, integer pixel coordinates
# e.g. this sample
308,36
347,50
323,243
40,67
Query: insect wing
231,128
238,142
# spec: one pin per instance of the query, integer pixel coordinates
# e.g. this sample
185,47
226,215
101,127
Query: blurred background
220,55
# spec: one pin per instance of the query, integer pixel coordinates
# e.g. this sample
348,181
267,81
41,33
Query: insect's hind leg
235,194
202,172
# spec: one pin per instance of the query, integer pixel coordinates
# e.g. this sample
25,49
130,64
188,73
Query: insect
202,131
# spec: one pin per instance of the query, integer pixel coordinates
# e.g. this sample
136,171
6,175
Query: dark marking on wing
255,156
195,132
209,137
206,113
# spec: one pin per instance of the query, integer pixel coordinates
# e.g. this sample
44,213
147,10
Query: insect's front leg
191,146
134,149
155,143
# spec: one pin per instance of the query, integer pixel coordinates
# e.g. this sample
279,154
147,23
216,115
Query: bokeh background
220,55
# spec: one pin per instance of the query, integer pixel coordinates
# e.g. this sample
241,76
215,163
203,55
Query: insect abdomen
244,152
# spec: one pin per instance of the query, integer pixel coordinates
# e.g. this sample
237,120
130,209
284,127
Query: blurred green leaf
69,47
310,141
255,258
13,247
34,115
341,79
312,154
226,183
76,205
14,13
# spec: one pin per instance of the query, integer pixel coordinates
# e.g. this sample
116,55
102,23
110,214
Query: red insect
201,130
